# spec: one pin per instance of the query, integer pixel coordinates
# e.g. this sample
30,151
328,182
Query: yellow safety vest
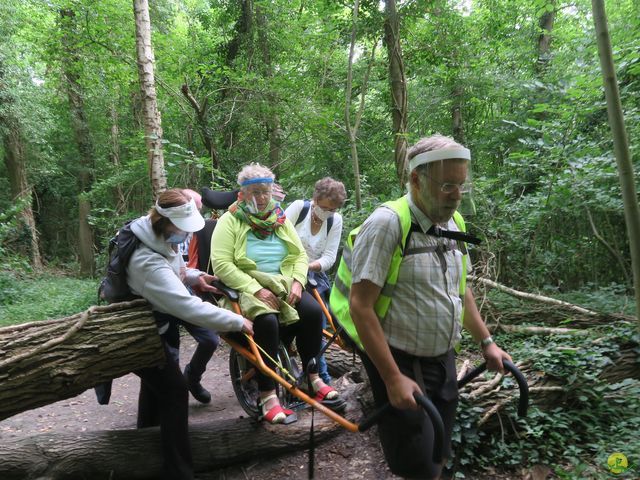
339,299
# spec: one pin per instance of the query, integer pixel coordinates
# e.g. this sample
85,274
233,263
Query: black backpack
114,287
305,211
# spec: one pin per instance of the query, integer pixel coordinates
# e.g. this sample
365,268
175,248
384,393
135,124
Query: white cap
186,216
435,155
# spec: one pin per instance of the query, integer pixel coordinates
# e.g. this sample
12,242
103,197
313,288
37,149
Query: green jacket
229,254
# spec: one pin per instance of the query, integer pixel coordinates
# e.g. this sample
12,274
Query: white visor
186,217
436,155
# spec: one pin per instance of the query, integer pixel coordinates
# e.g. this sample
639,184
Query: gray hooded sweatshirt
158,274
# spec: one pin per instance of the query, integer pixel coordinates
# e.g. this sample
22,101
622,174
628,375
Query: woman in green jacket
257,251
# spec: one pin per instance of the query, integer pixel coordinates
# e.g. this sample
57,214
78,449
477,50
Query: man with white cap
156,272
406,301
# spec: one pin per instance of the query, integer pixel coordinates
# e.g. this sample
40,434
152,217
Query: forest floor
345,456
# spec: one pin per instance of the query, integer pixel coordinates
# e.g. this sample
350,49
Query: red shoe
276,414
328,396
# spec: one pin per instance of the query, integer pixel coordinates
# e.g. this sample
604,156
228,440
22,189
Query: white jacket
157,273
320,247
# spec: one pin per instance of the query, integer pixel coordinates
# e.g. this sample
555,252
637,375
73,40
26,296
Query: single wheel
243,380
244,383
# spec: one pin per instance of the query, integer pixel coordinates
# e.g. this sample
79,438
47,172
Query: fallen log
341,362
545,390
542,330
532,296
44,362
136,454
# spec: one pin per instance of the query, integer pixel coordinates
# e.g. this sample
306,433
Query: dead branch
531,296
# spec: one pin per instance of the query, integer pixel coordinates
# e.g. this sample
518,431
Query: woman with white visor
157,272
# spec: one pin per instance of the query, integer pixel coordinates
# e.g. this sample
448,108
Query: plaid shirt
424,316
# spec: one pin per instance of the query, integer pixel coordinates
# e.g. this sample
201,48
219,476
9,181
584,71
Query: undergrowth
27,297
594,418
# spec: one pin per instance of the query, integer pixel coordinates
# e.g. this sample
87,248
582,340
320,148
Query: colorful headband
442,154
256,180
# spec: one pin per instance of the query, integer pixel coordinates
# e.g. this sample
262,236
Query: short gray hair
428,144
331,189
254,170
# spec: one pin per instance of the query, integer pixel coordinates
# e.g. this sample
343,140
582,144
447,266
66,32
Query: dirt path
348,456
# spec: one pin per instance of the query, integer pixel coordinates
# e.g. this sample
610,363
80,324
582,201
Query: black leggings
267,332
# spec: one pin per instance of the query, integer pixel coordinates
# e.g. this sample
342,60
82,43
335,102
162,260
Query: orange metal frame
252,354
329,318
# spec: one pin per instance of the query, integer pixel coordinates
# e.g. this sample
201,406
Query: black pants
164,401
307,331
407,436
208,341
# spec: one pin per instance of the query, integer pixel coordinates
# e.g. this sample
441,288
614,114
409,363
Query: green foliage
26,297
593,418
270,80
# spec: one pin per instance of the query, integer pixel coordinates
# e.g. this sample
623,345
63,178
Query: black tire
247,391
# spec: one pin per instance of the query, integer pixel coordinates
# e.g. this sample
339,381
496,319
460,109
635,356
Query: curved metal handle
438,426
228,292
523,402
367,422
430,409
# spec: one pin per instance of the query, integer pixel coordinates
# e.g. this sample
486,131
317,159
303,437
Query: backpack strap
413,228
303,213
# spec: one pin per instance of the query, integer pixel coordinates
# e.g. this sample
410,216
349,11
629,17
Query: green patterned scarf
262,224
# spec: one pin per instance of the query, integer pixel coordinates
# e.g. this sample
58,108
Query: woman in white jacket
157,272
319,227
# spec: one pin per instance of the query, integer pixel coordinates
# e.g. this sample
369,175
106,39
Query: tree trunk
274,131
152,121
15,162
242,37
340,363
71,63
456,114
15,159
136,454
544,39
398,85
620,144
201,112
352,132
44,362
121,204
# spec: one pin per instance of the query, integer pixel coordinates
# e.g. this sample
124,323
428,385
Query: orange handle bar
253,355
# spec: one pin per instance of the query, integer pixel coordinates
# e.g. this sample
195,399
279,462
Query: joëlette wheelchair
246,358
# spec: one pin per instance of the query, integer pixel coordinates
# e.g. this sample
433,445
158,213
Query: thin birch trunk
620,143
152,121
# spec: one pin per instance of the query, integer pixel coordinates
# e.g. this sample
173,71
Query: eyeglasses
259,192
452,187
